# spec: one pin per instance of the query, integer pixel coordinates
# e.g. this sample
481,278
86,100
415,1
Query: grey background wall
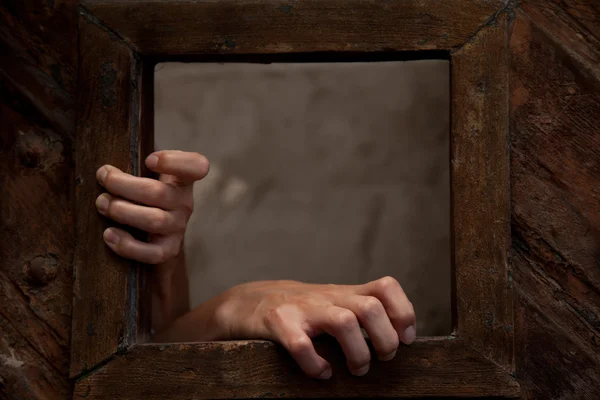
331,173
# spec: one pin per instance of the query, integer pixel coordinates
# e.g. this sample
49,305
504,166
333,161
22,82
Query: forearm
198,325
170,293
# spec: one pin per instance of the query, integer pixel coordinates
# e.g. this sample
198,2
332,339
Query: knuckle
299,345
157,221
158,256
156,192
344,320
187,206
387,283
224,313
407,315
275,317
171,253
180,224
370,307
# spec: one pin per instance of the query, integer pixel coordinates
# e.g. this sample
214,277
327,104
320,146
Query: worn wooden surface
555,175
103,312
38,64
555,171
261,369
258,26
480,193
479,182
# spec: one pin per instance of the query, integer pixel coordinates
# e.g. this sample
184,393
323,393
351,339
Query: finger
127,246
149,219
342,324
146,191
186,167
290,335
373,318
399,309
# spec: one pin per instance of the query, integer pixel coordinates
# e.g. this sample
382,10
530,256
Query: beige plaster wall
334,173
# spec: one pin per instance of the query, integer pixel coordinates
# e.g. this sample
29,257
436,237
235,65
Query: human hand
291,313
163,206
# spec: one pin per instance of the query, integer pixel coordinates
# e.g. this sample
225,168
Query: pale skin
288,312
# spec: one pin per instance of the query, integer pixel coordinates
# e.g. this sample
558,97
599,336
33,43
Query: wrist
207,322
170,296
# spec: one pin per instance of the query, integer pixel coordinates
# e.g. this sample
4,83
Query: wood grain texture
36,274
38,47
261,369
25,373
105,291
258,26
585,13
480,193
554,173
555,141
480,164
37,85
556,23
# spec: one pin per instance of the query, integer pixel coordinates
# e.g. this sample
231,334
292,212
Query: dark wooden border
221,370
119,43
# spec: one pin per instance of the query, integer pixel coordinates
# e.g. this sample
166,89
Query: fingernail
111,237
101,174
361,371
102,203
151,161
388,357
410,334
326,374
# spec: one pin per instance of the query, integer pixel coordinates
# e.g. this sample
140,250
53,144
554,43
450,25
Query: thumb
180,167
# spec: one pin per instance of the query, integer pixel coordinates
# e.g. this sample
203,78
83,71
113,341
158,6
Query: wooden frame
120,42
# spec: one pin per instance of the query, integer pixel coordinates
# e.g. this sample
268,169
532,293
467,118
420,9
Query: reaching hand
288,312
291,313
163,209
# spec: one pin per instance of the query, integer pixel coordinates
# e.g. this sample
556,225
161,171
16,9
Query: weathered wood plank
555,141
38,48
38,61
104,306
553,170
584,12
576,41
24,373
36,162
262,369
558,352
36,332
480,192
51,25
36,231
258,26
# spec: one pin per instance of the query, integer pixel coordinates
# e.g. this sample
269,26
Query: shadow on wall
328,173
